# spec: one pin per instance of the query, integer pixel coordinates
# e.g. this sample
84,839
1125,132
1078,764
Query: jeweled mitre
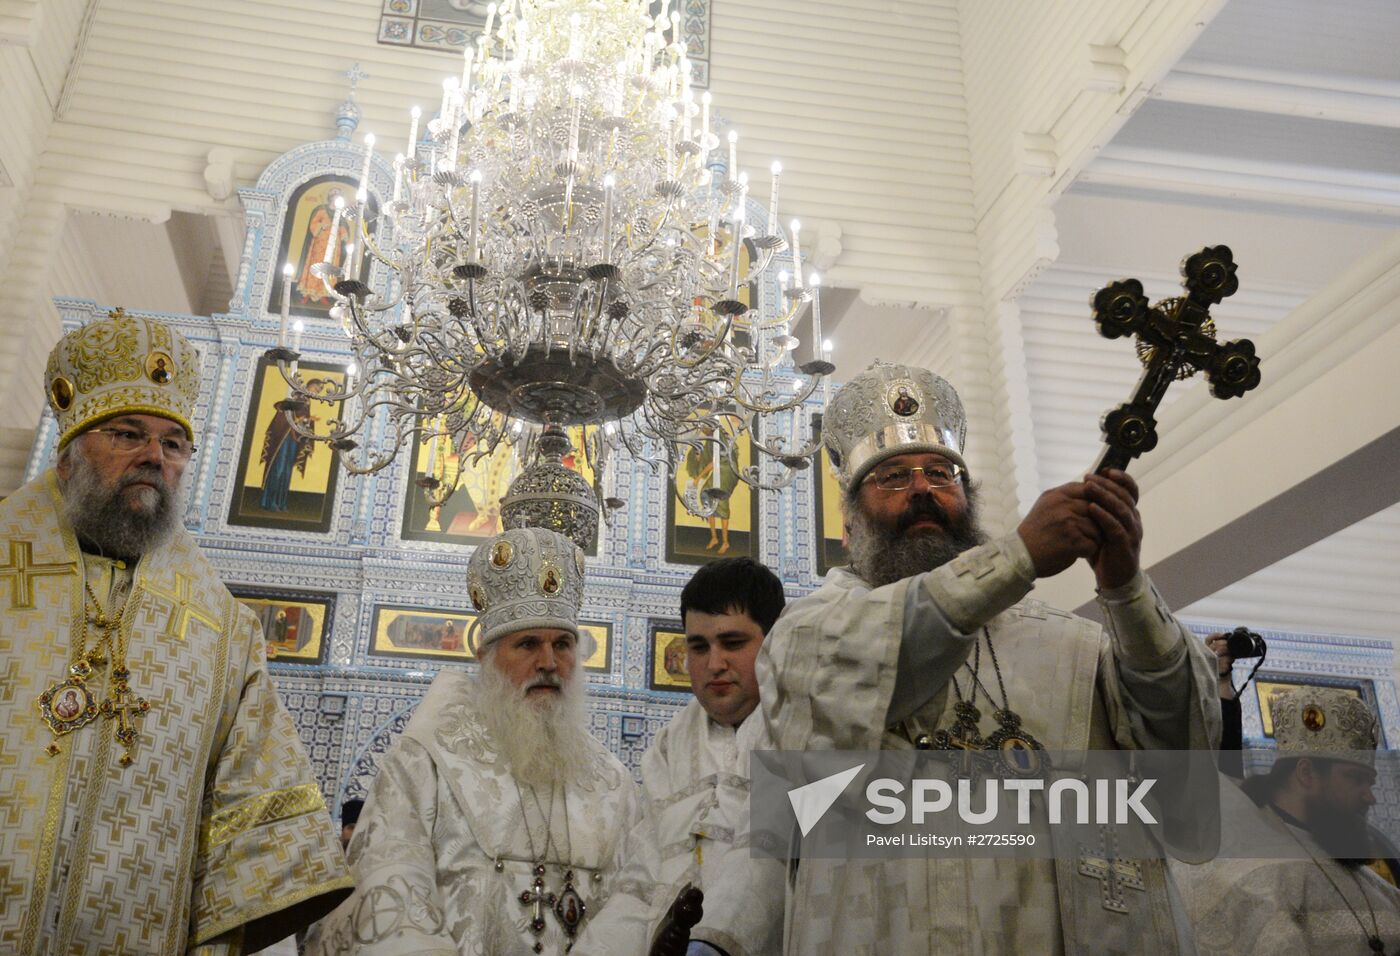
525,578
121,365
890,410
1324,722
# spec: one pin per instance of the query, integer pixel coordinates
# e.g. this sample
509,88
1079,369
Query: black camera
1242,642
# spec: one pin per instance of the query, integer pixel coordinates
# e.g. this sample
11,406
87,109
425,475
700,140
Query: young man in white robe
495,823
695,783
880,654
1313,894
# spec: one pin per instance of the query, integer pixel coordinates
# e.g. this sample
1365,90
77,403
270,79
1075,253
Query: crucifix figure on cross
1175,340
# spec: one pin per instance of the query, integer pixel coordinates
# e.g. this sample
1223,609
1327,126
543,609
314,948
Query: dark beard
101,517
1343,836
883,556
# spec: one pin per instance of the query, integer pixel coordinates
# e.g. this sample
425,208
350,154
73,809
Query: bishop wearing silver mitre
1291,876
495,823
928,640
157,798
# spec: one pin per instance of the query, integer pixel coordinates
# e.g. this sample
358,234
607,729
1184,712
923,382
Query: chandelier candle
335,229
777,170
287,271
415,113
796,228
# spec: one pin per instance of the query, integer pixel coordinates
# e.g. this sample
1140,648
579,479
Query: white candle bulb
287,271
796,252
369,157
467,53
449,90
298,327
490,19
475,179
335,228
416,112
398,176
777,171
574,40
738,241
733,153
816,312
608,183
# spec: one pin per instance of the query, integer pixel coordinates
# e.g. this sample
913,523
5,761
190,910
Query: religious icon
69,703
415,633
902,400
1269,690
295,623
405,632
668,657
727,525
472,512
158,368
830,530
307,239
284,479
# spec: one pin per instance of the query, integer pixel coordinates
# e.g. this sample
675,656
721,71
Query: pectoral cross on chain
123,705
537,899
1175,340
1113,873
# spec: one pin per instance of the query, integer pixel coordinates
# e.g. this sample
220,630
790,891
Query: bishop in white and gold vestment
459,850
861,667
157,799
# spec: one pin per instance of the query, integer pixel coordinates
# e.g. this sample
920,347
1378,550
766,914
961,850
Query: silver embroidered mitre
890,410
524,578
1324,722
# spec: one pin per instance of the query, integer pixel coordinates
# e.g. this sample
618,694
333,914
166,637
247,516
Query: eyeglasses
898,477
173,447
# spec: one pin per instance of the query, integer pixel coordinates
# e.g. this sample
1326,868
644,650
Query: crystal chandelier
566,249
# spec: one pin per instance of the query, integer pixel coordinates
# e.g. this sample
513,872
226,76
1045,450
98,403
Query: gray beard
541,741
103,519
883,556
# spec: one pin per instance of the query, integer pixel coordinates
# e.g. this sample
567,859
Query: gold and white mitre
1325,722
890,410
121,365
525,578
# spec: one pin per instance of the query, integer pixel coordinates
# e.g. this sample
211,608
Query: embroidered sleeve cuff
1145,635
980,583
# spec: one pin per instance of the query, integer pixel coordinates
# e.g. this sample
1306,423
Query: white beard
542,740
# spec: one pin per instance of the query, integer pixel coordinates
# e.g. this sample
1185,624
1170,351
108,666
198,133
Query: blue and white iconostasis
361,585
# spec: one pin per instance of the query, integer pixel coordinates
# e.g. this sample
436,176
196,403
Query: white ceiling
1277,134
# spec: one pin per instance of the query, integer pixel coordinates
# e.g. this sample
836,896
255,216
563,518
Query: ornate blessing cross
1175,340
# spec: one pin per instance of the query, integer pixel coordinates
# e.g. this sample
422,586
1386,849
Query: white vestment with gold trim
216,833
441,854
827,677
695,784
